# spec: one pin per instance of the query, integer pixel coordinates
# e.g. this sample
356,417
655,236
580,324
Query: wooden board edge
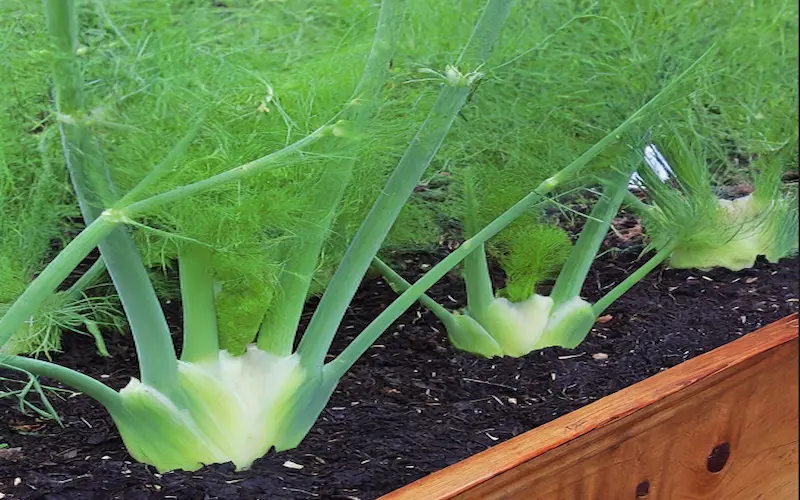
505,456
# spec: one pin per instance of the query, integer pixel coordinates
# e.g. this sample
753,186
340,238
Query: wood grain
660,431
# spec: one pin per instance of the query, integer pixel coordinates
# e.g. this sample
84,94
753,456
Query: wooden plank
662,431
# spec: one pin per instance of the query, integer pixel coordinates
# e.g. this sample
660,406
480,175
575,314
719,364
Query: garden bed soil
412,404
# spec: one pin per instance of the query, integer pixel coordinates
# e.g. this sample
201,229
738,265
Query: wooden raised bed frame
721,426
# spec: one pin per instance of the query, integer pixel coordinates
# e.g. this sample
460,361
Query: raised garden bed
174,141
722,425
413,406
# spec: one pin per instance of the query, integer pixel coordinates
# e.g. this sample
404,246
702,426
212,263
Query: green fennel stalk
157,360
399,187
277,331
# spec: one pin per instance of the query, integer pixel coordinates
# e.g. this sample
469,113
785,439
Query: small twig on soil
297,490
488,383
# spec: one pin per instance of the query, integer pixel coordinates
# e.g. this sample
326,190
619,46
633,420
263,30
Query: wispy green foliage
35,202
602,60
32,190
528,254
262,76
568,72
41,335
264,73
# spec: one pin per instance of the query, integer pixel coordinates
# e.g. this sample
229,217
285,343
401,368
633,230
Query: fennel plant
686,206
209,405
494,326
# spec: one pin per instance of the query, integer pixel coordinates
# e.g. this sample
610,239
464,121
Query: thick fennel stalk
570,280
95,389
617,292
366,243
368,239
280,324
384,212
90,178
200,336
480,292
399,285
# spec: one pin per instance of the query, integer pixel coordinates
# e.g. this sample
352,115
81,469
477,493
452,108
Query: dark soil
412,405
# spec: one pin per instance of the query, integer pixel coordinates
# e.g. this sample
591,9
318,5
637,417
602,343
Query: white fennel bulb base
506,328
232,409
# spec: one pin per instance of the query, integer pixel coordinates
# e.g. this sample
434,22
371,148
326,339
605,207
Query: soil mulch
412,404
